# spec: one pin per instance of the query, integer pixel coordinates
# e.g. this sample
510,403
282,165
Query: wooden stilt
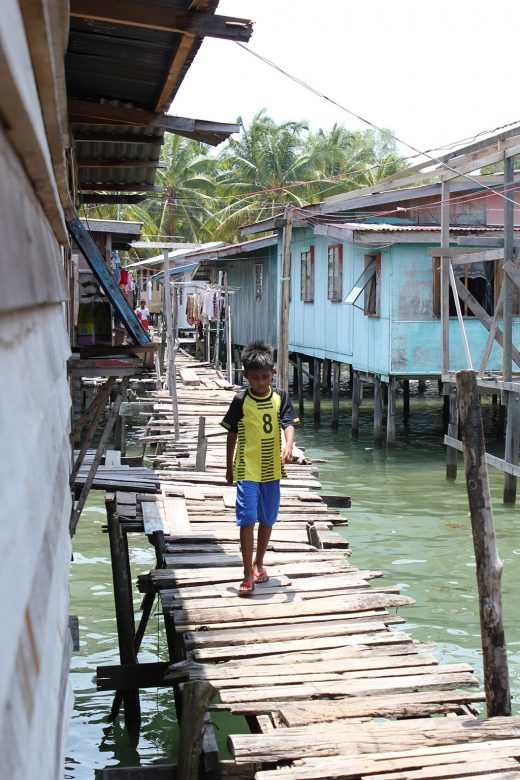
445,412
196,700
453,430
336,374
512,445
356,401
489,565
202,446
390,413
294,377
326,374
317,389
406,398
299,372
378,411
124,611
310,374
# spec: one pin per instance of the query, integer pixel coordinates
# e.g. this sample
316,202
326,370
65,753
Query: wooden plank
187,618
397,706
153,517
176,518
307,741
492,460
350,765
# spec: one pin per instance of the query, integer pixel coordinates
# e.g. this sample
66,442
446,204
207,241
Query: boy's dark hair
258,354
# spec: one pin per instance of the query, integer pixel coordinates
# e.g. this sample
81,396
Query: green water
405,520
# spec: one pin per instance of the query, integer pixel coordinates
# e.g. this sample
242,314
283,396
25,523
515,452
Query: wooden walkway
317,659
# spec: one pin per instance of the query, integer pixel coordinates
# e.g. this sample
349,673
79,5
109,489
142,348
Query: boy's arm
230,451
289,441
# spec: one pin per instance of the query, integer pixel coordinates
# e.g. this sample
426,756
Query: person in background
143,315
255,419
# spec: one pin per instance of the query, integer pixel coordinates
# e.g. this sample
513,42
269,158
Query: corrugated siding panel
253,319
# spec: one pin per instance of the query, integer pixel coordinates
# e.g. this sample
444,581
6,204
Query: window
335,271
307,276
259,281
482,280
372,289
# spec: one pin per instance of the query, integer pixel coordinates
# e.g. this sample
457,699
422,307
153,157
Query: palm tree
188,182
258,171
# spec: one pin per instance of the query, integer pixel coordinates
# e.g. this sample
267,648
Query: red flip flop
246,588
261,576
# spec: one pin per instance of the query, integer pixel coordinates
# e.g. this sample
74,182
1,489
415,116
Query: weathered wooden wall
34,415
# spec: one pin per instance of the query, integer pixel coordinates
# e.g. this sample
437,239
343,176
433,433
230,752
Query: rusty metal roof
124,65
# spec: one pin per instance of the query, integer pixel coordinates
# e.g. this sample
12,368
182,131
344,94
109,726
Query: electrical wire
322,95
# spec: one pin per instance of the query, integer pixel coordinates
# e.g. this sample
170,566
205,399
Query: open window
369,283
335,272
483,280
307,276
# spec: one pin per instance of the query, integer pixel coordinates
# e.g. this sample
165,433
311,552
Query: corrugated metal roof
121,57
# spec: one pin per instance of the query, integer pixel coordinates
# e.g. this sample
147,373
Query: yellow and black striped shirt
258,423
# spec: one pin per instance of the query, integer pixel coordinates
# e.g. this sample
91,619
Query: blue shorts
257,501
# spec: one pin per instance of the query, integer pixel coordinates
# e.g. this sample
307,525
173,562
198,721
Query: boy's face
143,304
259,380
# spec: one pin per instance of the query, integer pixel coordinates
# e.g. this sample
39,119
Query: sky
433,72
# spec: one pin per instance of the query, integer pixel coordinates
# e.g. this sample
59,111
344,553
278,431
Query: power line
322,95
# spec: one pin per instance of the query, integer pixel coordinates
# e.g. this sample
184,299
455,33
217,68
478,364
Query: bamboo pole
489,565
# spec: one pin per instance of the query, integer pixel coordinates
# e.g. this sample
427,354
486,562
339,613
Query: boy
143,315
255,418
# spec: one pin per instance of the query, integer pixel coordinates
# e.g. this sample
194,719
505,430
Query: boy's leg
264,534
268,506
247,541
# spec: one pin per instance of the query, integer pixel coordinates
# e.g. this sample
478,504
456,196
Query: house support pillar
390,413
453,430
299,372
336,373
378,411
356,403
316,389
512,445
406,399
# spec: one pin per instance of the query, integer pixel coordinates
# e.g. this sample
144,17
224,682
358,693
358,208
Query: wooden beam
491,460
104,163
454,251
95,187
101,137
479,257
162,17
91,112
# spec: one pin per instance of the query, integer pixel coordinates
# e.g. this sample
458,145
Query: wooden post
512,445
124,611
390,413
508,287
196,698
406,398
453,430
202,446
158,374
285,281
445,277
356,402
313,535
489,565
299,369
378,411
336,375
229,352
170,341
326,374
316,389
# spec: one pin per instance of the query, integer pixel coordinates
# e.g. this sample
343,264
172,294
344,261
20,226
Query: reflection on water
406,520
